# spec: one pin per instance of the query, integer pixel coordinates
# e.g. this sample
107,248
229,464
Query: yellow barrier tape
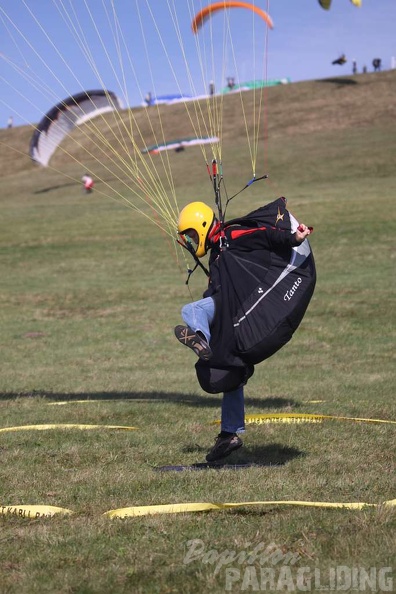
62,426
33,511
114,400
178,508
90,401
48,511
302,418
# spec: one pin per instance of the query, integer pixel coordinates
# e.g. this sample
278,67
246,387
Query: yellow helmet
198,217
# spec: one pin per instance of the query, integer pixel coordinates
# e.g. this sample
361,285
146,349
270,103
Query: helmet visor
190,237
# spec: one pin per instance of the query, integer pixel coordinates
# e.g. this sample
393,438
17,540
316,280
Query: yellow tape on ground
260,419
179,508
62,426
48,511
90,401
129,400
33,511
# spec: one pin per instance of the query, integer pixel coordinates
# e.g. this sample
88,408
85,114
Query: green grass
89,295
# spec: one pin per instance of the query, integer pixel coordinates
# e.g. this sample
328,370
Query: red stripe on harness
235,234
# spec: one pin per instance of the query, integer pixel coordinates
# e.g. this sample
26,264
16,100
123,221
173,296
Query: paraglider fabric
168,99
327,3
63,117
264,296
179,143
215,7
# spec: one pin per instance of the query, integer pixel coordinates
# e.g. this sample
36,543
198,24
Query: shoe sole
226,453
189,338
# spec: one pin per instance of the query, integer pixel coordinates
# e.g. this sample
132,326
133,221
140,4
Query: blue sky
50,49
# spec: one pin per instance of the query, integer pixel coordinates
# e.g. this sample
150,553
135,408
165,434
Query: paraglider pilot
198,225
230,82
377,64
88,183
341,60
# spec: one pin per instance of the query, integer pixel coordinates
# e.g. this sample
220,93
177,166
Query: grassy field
90,293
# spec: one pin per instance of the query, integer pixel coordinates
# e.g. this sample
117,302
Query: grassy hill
340,104
90,292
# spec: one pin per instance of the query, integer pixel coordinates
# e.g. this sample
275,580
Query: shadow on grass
175,398
274,454
44,190
339,81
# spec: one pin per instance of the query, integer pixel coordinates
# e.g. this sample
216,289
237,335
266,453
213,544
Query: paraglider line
249,183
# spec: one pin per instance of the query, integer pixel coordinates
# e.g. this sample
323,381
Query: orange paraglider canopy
207,12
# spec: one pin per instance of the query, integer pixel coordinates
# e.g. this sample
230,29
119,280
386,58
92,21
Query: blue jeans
233,411
199,316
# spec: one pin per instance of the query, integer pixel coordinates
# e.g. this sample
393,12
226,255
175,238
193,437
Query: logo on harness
289,294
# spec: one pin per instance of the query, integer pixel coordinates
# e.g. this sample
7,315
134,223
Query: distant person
88,183
377,64
211,88
10,122
364,69
148,98
354,67
230,82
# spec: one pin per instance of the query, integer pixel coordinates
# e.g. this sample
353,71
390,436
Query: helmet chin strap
191,250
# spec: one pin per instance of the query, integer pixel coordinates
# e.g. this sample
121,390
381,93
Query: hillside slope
301,108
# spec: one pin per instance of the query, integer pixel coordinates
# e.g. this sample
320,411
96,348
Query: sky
50,49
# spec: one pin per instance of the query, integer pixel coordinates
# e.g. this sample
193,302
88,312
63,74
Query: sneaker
193,340
223,447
